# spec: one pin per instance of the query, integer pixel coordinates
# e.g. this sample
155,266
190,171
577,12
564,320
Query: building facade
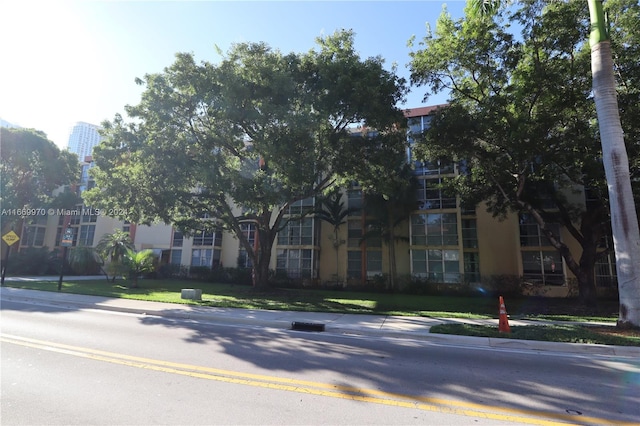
83,138
441,241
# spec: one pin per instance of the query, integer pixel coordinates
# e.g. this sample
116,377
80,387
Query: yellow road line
314,388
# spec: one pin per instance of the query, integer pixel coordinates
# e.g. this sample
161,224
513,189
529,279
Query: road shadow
426,373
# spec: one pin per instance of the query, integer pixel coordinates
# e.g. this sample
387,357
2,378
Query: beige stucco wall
156,236
498,244
105,225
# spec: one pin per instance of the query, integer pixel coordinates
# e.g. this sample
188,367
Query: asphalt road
85,367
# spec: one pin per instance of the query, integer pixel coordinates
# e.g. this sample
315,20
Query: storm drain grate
307,326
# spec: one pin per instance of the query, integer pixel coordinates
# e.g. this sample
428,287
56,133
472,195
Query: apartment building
83,138
443,243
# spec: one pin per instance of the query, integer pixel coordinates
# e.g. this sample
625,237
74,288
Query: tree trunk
591,229
262,257
392,255
261,274
584,271
587,288
624,219
336,246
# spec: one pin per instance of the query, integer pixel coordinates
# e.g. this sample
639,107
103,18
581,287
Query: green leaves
520,110
32,168
253,133
521,114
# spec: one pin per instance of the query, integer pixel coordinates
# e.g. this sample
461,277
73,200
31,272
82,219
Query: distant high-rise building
83,138
4,123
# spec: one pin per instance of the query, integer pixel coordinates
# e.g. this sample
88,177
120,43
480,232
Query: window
354,233
437,229
75,219
178,239
86,235
431,196
354,264
542,267
354,200
592,198
301,206
531,235
297,232
434,168
176,257
539,266
33,236
436,265
417,124
374,263
472,267
205,257
295,263
89,215
469,234
244,261
606,274
249,231
203,238
207,238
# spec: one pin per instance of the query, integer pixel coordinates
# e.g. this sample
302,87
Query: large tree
520,118
239,141
32,168
625,229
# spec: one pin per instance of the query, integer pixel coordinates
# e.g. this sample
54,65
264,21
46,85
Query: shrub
410,284
199,273
172,270
240,276
500,285
84,261
34,261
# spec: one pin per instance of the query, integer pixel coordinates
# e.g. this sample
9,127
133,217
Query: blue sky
67,61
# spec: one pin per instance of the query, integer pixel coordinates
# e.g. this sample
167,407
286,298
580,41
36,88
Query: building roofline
417,112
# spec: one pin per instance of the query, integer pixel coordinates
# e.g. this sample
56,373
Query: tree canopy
32,168
521,118
239,141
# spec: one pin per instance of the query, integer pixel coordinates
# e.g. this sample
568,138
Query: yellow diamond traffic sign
10,238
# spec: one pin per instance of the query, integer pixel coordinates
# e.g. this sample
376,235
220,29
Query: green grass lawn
552,333
239,296
353,302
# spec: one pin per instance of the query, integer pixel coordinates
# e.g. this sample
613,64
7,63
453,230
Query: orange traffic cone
503,322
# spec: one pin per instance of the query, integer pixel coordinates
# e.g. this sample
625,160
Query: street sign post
10,238
67,241
67,238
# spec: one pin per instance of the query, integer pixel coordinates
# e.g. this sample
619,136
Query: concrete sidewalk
389,326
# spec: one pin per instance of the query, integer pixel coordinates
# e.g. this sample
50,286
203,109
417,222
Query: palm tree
624,218
86,260
138,263
386,211
332,210
113,247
